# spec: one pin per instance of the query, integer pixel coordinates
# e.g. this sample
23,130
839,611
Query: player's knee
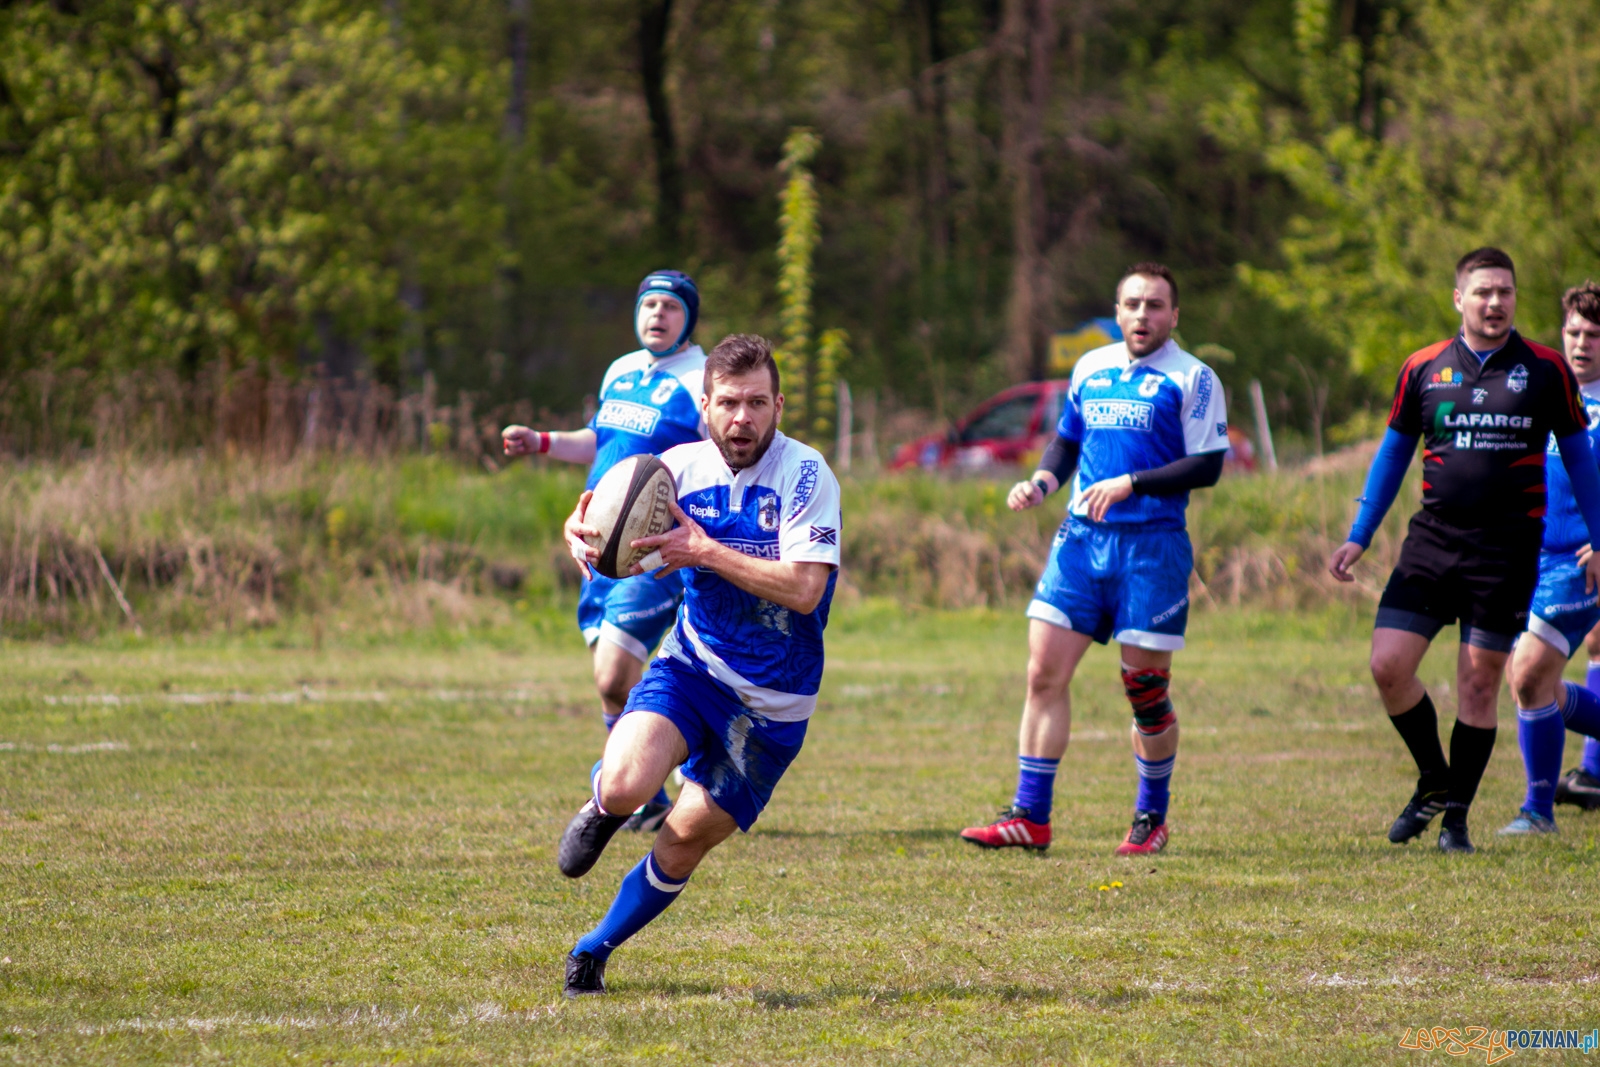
1390,672
620,796
614,679
1047,677
1147,689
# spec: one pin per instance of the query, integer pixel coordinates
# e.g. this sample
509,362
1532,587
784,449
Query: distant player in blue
1565,607
1143,424
729,695
649,402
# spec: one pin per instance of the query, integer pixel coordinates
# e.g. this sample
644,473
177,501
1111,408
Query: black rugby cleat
1453,837
585,838
649,818
586,976
1418,813
1579,789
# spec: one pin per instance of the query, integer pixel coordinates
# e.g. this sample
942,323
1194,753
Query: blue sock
1036,786
644,894
1542,735
609,720
1581,710
1591,758
1154,778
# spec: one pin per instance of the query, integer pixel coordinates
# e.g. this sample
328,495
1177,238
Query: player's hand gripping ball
633,500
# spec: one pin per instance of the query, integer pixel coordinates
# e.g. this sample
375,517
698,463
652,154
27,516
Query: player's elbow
811,587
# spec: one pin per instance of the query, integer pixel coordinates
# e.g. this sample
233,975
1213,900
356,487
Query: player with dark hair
649,402
729,695
1565,607
1485,402
1143,424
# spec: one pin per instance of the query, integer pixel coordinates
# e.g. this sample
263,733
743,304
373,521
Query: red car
1003,431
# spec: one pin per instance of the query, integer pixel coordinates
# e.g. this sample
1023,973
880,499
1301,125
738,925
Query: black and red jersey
1484,426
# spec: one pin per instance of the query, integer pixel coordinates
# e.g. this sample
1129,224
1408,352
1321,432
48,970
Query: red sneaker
1145,836
1011,830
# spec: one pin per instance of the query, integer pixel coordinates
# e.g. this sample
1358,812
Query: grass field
240,850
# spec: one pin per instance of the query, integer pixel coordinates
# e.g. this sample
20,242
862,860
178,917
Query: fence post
841,452
1263,428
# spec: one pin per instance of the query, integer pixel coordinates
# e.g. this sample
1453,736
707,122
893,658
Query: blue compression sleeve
1578,458
1383,484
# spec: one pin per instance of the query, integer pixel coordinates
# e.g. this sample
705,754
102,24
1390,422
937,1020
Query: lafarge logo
1446,419
1118,414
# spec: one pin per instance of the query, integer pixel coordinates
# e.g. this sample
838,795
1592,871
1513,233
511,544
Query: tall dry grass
177,542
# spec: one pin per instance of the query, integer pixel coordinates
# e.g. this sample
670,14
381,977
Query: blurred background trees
459,195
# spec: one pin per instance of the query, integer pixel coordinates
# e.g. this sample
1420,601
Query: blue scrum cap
681,288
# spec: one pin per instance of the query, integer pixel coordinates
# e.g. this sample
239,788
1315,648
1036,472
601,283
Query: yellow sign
1067,348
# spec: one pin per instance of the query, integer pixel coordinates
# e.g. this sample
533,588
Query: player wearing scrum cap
1143,424
1484,402
649,402
729,696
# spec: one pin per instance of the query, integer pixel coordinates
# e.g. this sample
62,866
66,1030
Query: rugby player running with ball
1485,402
1143,423
1565,605
729,695
649,402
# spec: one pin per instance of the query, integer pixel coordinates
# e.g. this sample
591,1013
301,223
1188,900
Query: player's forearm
796,586
1200,471
1578,458
1058,461
572,446
1384,478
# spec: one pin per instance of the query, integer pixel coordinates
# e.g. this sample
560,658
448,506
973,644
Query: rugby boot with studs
1418,813
1011,830
648,819
1579,789
1453,835
585,838
1528,824
1144,836
586,976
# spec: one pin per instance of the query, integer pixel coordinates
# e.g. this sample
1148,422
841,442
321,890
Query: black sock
1419,729
1470,747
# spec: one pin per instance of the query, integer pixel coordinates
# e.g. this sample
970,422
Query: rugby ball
630,502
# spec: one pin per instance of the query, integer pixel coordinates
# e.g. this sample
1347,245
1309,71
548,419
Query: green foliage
1490,139
797,221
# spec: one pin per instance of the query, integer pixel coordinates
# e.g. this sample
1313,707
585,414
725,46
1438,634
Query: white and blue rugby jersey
1564,528
786,507
647,405
1136,415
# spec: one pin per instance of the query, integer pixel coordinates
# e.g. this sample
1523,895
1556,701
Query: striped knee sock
644,894
1036,786
1155,776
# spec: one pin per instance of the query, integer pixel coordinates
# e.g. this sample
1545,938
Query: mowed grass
229,852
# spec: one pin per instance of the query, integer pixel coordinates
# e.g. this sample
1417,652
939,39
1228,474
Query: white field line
303,695
372,1018
93,746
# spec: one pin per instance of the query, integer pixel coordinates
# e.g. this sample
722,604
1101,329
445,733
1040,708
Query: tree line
462,193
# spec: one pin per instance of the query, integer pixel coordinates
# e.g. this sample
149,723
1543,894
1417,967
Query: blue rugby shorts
735,754
1122,582
1562,614
632,613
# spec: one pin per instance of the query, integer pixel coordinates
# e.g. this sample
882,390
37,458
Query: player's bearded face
1487,300
742,415
1145,313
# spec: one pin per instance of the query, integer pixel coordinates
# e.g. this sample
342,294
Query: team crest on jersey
1150,386
767,514
1594,415
663,391
1517,380
1480,395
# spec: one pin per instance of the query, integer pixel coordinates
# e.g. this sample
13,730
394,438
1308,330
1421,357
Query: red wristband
544,441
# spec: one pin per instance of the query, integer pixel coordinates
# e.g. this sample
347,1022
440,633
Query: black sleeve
1060,457
1181,475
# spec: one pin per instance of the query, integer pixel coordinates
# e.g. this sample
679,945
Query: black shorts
1484,578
